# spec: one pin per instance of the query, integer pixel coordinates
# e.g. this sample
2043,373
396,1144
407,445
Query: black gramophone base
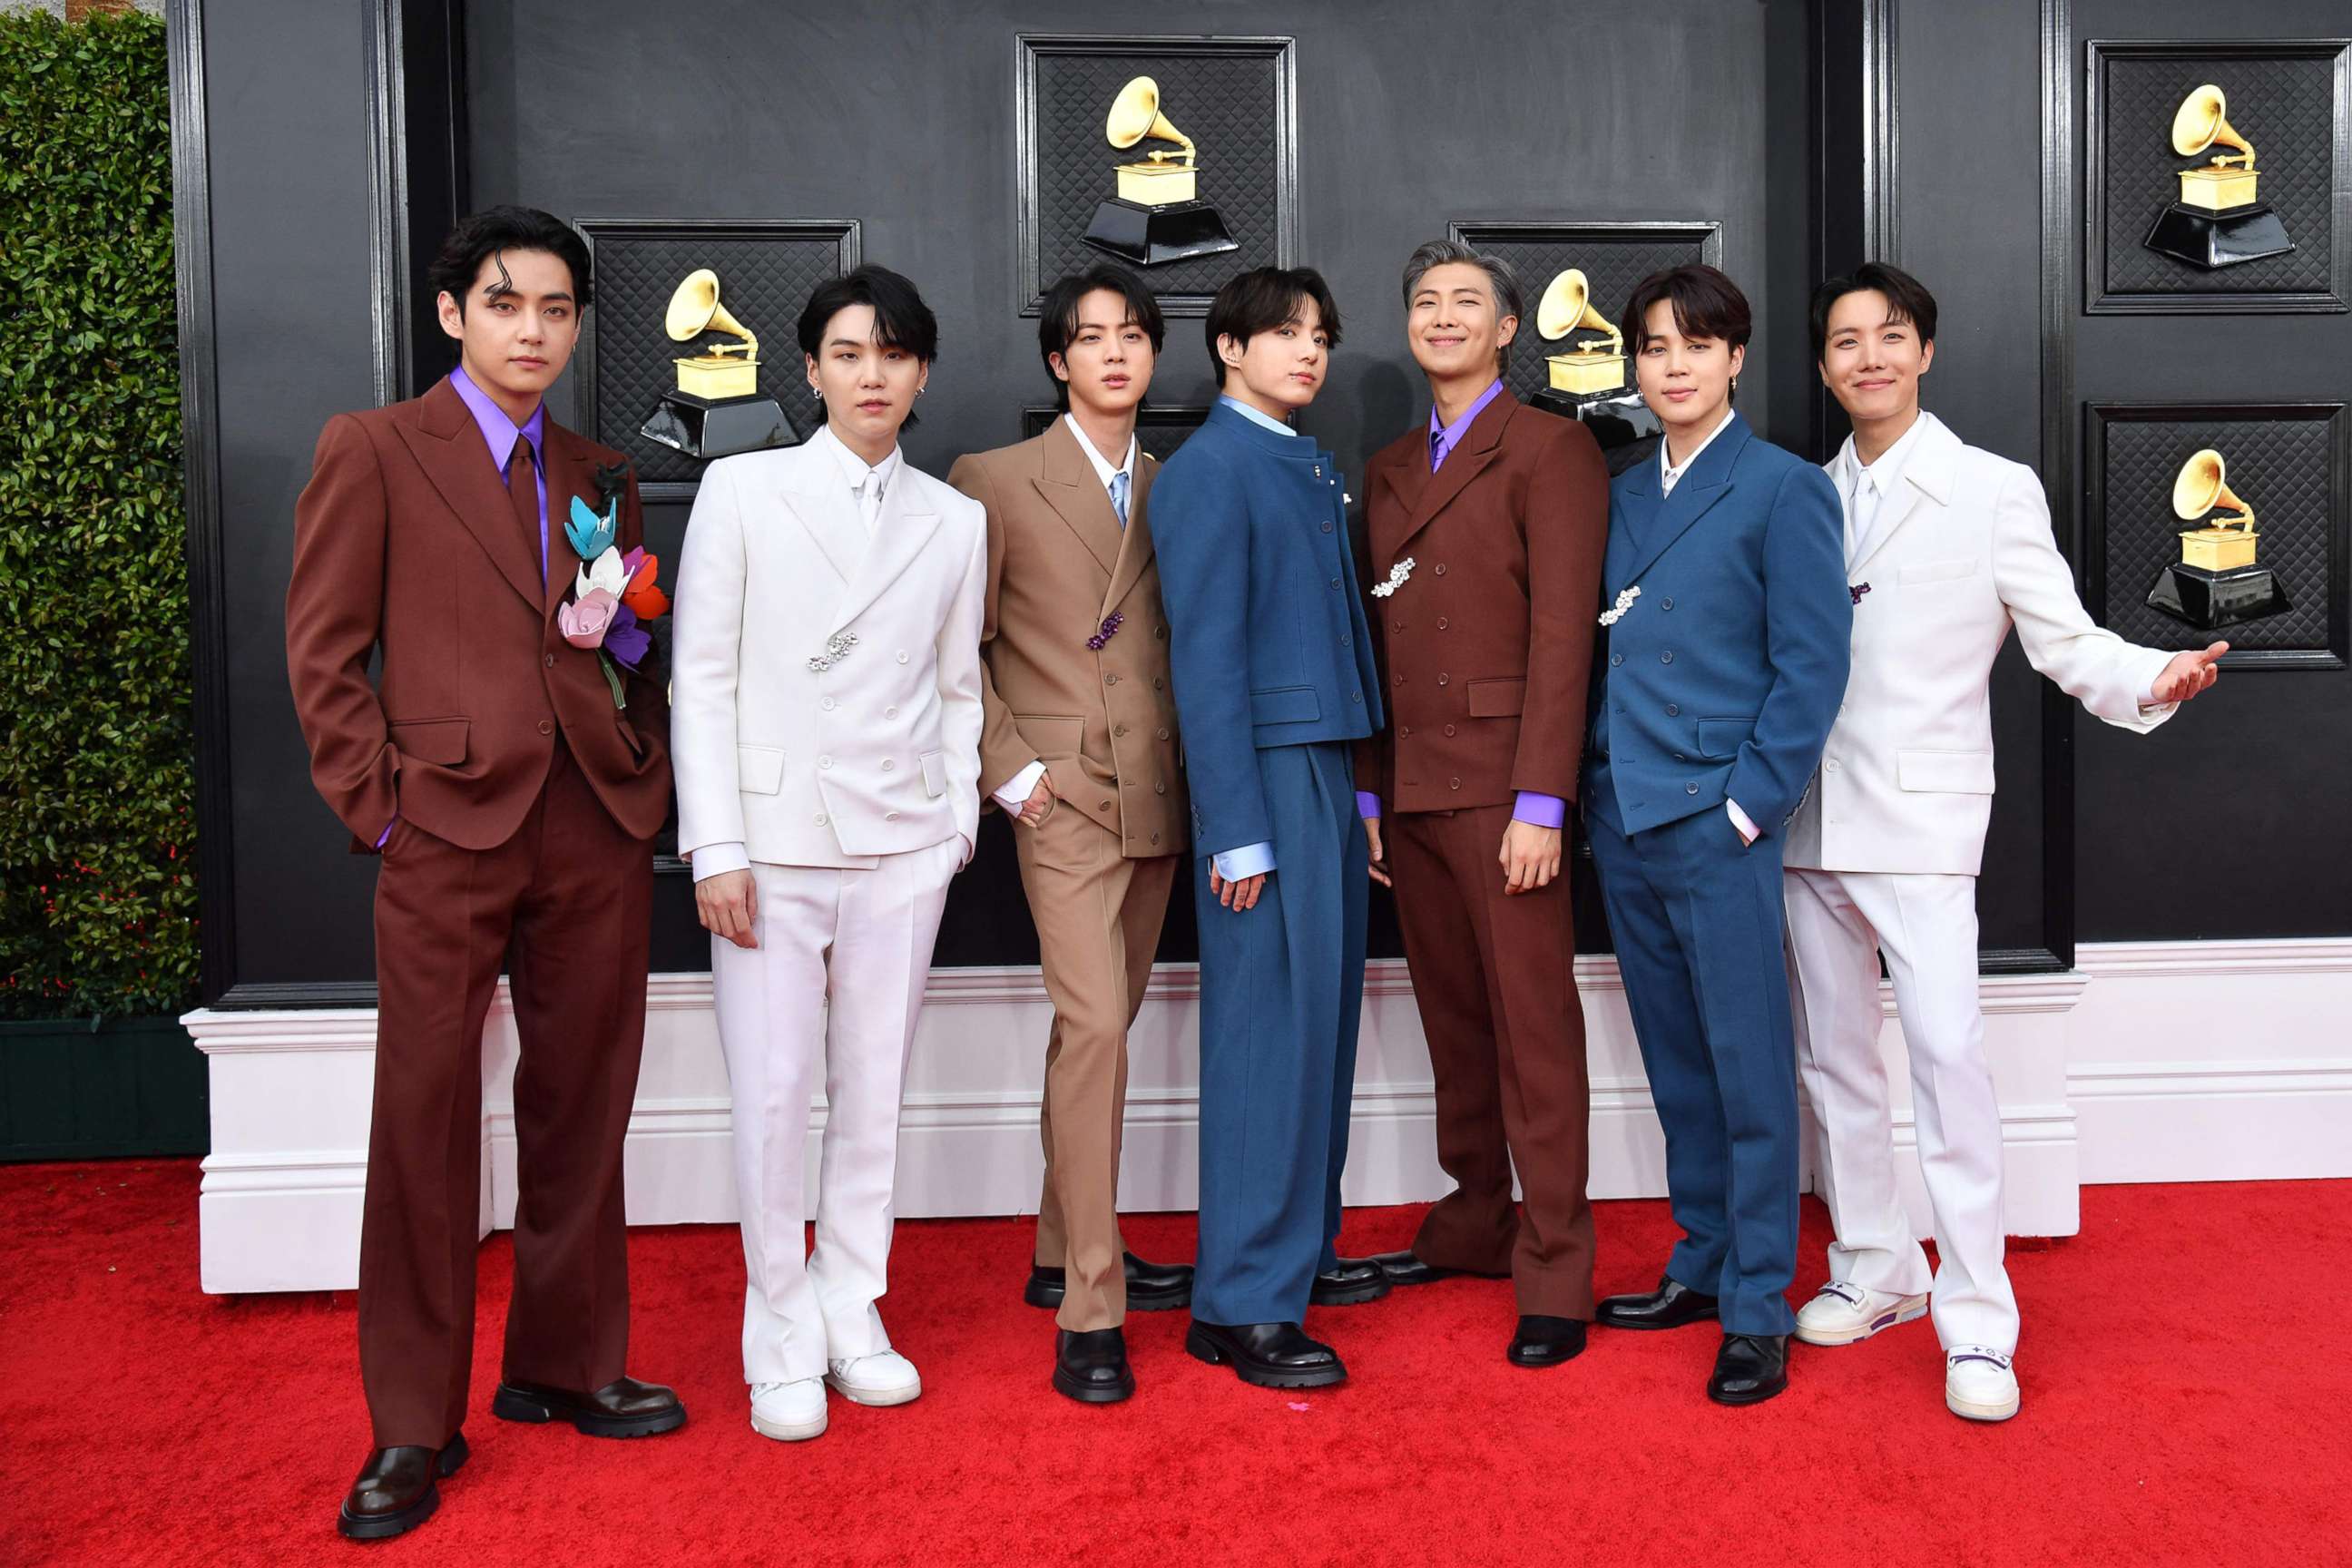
2212,600
1152,235
717,427
1628,432
2213,240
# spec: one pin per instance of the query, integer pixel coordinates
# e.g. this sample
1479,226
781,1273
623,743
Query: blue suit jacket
1724,678
1265,623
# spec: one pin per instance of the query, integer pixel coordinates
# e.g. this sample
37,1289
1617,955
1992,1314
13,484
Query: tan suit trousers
1099,916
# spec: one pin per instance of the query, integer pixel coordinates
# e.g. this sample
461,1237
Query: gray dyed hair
1502,282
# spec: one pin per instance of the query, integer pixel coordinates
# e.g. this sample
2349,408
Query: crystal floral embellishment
837,647
1397,575
1610,617
1858,590
1111,623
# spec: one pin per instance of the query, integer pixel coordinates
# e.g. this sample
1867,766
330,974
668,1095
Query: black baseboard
126,1087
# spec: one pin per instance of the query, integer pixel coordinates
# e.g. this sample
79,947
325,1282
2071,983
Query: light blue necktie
1118,496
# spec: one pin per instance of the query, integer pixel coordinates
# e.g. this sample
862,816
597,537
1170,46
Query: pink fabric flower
585,620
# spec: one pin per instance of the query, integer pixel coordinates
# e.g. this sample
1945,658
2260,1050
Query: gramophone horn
1567,307
694,309
1135,117
2201,121
2201,487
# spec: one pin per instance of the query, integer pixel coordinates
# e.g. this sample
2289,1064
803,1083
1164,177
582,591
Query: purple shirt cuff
1539,810
1367,805
386,836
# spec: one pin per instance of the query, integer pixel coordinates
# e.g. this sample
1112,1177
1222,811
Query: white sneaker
788,1412
1978,1384
1845,1313
884,1377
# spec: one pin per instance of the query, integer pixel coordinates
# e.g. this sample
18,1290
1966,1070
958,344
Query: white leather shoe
884,1377
1978,1383
788,1412
1845,1313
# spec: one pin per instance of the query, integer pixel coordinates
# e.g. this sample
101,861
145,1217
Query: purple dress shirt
500,432
1533,807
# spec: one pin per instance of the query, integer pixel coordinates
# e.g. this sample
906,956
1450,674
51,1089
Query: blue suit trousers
1282,989
1697,917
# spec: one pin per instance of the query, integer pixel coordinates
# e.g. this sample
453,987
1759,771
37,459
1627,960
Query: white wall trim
2150,1061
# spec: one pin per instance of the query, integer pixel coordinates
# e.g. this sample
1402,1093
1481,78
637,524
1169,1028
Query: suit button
825,761
1160,632
1666,604
546,727
1157,683
1404,732
1441,568
1680,758
1343,640
1327,528
820,819
1159,789
1690,789
1449,728
1443,623
1831,764
1106,806
1398,680
1453,784
1442,678
1355,697
1616,659
902,656
1155,838
1667,656
1335,582
551,661
1400,626
891,713
888,764
826,704
1119,730
1163,732
1110,680
889,816
1674,710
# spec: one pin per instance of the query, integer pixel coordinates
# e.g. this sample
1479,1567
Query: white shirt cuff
713,859
1020,787
1739,819
1249,860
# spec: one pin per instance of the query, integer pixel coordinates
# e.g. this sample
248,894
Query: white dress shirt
1015,790
869,485
1670,474
1864,489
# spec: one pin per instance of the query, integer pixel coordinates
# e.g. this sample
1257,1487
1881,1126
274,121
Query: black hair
1058,319
901,320
1907,300
483,236
1262,298
1707,305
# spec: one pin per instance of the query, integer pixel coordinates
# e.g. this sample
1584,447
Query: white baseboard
2111,1072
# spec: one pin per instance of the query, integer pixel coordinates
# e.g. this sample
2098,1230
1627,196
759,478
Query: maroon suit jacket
405,540
1485,650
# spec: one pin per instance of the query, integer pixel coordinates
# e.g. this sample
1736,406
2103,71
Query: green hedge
97,880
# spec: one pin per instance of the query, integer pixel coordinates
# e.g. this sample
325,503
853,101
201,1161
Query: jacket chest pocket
935,774
1920,572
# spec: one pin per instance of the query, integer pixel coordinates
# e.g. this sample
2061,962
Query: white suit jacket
877,754
1959,551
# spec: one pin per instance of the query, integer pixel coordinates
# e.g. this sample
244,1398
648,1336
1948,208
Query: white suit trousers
1926,924
834,987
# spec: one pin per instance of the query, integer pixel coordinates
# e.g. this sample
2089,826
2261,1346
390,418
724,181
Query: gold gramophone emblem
2224,543
1157,215
1593,364
724,370
2228,181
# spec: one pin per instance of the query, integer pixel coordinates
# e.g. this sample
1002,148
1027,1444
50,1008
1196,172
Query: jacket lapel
448,445
1135,548
1695,495
1927,476
1481,445
570,471
906,524
814,492
1068,485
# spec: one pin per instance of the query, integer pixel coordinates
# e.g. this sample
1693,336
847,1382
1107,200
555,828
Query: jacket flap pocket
1950,773
439,741
759,770
935,774
1050,736
1499,699
1285,705
1724,736
1936,571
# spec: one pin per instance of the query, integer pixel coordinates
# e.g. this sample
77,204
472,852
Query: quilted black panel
763,281
2286,106
1230,102
2278,467
1160,430
1613,260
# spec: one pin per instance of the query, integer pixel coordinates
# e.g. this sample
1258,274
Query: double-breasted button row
546,727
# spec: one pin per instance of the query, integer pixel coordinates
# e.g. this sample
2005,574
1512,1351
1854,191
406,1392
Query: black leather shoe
1348,1281
1271,1356
1150,1287
1749,1369
1090,1366
1670,1306
395,1493
1405,1268
1546,1342
622,1408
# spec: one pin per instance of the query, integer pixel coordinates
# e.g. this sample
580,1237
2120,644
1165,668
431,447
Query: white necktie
1118,496
1867,500
870,502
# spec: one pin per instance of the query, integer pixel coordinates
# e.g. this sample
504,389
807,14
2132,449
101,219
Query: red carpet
2188,1399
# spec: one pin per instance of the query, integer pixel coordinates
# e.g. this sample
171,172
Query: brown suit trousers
1098,869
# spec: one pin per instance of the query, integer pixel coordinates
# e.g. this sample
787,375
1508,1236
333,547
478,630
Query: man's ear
453,319
1059,366
1927,355
1509,327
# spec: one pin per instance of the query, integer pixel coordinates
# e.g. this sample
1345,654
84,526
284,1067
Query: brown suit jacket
1104,723
1485,648
405,540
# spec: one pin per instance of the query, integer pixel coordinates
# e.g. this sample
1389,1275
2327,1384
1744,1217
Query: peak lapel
1694,494
814,492
449,446
906,524
570,471
1927,476
1481,445
1135,546
1068,484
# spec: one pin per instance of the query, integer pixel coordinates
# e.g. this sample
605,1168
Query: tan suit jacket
1060,564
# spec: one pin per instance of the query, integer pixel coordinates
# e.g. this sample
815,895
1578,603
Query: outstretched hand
2188,674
